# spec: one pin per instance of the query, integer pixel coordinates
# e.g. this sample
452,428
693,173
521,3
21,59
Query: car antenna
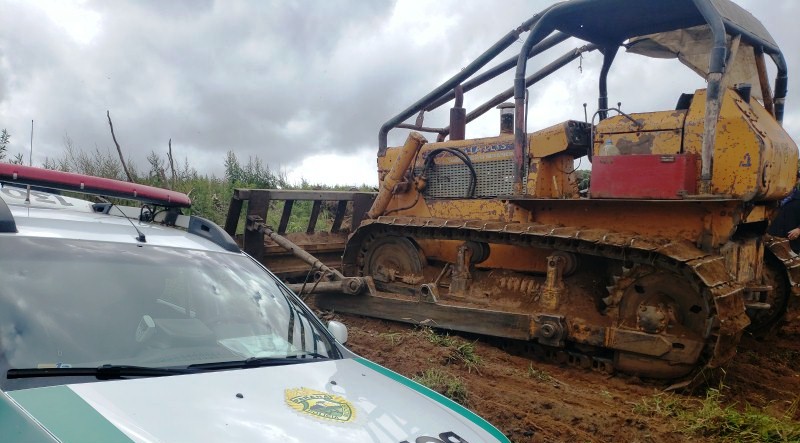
30,163
140,238
30,156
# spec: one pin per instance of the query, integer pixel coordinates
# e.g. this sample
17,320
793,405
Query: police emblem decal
320,405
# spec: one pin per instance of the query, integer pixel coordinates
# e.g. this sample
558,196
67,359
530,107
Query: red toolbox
646,176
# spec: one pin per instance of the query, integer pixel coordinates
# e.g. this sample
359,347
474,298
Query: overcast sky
303,85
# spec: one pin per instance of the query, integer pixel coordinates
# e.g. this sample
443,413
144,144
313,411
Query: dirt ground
537,401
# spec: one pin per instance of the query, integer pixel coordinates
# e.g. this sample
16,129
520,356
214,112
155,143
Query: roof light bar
68,181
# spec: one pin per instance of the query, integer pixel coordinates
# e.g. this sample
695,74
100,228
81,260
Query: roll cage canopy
611,22
606,25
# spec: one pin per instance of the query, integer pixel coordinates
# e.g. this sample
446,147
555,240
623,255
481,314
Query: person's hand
793,234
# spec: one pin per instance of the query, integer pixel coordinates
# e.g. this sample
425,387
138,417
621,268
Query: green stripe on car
433,395
17,426
67,416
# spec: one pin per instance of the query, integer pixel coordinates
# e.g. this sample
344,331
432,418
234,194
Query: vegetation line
210,195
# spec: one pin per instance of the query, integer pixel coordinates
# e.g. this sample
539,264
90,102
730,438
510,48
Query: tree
4,138
233,171
584,176
157,165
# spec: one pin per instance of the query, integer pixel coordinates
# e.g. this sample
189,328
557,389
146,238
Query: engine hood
350,400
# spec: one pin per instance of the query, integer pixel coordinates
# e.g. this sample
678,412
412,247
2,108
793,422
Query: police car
140,324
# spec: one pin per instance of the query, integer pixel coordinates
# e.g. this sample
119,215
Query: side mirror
338,330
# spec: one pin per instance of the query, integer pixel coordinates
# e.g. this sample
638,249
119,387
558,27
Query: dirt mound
536,401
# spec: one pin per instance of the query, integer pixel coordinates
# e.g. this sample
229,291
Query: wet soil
532,400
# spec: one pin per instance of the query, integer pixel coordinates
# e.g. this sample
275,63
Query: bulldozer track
726,318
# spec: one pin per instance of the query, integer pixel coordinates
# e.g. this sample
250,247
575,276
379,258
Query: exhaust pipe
458,116
506,118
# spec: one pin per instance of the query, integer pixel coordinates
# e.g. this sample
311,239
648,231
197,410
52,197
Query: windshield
70,303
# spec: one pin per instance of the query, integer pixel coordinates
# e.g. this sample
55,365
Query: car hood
350,400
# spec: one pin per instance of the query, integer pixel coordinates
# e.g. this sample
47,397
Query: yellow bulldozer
657,270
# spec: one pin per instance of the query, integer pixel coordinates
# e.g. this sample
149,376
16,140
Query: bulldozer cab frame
606,25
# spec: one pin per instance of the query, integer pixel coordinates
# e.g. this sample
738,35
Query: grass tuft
539,374
395,338
660,405
710,418
465,353
460,350
729,424
444,340
442,382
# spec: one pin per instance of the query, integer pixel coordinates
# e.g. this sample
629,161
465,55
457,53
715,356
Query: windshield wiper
104,372
309,354
257,362
111,372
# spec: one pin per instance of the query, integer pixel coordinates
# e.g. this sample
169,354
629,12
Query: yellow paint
657,133
515,258
320,405
410,203
758,213
754,158
477,209
397,174
743,259
552,177
548,141
479,150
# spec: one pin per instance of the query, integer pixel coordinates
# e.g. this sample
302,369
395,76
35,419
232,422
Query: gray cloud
283,80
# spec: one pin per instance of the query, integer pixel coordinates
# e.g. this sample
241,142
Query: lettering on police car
320,405
38,197
444,437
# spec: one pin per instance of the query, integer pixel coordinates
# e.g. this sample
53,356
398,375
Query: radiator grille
452,181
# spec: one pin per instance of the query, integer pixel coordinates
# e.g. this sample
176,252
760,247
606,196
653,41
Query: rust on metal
780,248
327,246
413,144
723,303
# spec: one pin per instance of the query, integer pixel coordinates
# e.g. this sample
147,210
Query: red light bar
86,184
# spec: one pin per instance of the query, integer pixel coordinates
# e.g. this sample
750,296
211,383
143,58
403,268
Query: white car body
341,397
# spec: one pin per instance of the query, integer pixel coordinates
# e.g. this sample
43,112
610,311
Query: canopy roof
611,22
